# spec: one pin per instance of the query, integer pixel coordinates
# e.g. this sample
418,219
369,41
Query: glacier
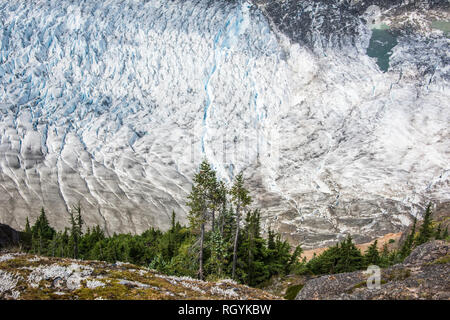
113,105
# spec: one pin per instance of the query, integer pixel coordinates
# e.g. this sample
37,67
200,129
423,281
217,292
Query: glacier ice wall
115,104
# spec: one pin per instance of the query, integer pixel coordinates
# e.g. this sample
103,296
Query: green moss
442,260
363,284
360,285
40,293
112,291
292,291
398,274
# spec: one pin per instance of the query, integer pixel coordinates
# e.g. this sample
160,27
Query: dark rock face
324,23
8,236
425,274
314,23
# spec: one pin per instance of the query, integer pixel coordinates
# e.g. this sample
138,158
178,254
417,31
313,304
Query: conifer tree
200,200
171,247
409,242
445,234
27,227
241,199
42,234
350,258
221,199
252,251
26,237
294,259
426,230
228,225
217,196
279,259
218,249
76,223
384,257
372,256
438,233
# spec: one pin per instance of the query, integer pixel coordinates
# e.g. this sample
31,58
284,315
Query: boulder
424,274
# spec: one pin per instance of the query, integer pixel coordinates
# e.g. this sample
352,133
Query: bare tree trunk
236,237
222,219
213,215
202,235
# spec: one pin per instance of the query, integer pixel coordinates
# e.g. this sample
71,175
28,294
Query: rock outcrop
8,236
31,277
424,274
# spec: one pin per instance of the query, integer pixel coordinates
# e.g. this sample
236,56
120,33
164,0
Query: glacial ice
115,104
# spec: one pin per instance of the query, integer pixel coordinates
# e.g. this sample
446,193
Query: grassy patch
292,291
363,284
398,274
442,260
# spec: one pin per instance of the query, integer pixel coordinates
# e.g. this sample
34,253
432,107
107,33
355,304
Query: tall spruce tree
26,237
409,242
426,229
217,196
252,251
350,258
384,257
221,200
241,199
42,234
294,260
279,260
438,232
171,246
27,227
76,223
372,256
218,252
200,200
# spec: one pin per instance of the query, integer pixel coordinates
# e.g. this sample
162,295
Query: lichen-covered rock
425,274
24,276
328,286
428,252
8,283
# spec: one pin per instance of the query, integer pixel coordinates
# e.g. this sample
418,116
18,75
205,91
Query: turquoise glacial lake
380,46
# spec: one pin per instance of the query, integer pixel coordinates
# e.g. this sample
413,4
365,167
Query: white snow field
114,104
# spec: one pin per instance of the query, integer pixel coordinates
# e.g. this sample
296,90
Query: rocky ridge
31,277
424,274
